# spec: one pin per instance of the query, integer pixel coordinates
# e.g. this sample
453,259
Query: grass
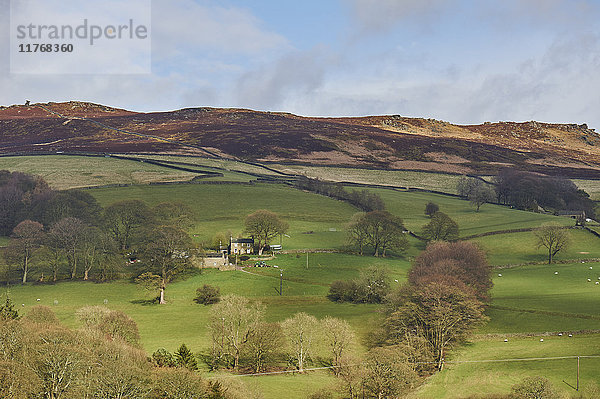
315,221
431,181
513,248
535,299
304,290
411,206
592,187
526,299
64,171
459,380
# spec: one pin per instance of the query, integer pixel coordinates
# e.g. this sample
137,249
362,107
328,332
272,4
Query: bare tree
232,322
387,373
379,229
476,190
263,344
263,226
481,194
300,331
442,313
124,218
554,238
338,338
27,237
68,234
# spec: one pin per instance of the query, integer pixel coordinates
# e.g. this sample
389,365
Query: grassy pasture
304,290
315,221
513,248
404,178
592,187
221,164
411,206
527,299
535,299
64,171
463,379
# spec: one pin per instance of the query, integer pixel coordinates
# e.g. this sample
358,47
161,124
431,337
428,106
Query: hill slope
379,141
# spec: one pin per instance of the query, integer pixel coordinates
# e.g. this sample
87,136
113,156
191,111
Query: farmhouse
241,246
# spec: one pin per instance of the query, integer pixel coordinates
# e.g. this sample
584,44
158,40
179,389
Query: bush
244,258
41,314
118,325
342,291
207,295
371,287
534,388
163,358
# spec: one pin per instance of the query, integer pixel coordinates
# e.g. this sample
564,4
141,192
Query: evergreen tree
185,358
8,311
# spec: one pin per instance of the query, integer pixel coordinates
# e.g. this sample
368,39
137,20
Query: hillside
392,142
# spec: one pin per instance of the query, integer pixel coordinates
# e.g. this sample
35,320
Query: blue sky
464,61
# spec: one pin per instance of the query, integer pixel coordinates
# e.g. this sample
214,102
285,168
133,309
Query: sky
463,61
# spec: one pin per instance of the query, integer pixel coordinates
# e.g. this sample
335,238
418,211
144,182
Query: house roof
242,240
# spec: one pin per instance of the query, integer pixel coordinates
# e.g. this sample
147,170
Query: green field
315,221
529,299
462,379
304,290
63,171
431,181
411,206
513,248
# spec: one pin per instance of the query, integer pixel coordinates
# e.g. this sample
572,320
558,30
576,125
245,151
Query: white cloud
194,30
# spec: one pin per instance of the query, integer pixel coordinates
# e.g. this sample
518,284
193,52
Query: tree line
58,235
362,199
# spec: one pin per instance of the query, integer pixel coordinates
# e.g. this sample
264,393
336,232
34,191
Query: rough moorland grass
411,206
315,221
63,172
592,187
222,164
514,248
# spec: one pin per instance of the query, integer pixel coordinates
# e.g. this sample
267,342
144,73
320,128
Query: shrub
41,314
163,358
207,295
534,388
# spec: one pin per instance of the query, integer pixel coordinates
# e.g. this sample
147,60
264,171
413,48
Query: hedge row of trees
525,190
363,199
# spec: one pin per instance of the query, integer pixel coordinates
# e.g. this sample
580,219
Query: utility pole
577,374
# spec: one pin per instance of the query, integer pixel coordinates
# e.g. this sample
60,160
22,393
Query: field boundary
546,312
